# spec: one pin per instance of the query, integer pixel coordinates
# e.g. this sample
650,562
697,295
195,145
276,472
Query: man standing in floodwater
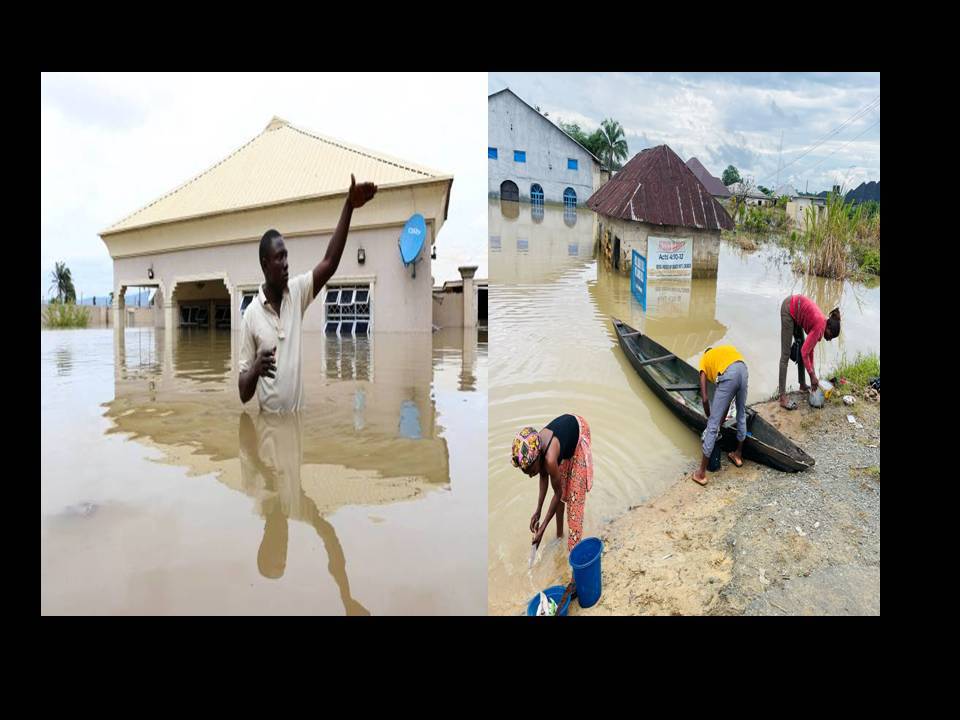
270,350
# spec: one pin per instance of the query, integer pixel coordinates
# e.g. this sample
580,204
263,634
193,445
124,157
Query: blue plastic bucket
553,593
585,561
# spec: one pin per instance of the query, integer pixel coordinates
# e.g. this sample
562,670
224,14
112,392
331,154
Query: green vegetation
66,315
843,239
63,283
730,175
607,142
858,372
765,219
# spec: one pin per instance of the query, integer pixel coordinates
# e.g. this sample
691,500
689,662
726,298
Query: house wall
796,211
447,308
633,235
400,303
511,125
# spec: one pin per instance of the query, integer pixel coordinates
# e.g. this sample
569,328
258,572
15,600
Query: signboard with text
670,258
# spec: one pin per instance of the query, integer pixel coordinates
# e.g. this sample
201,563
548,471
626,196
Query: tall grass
66,315
859,371
842,240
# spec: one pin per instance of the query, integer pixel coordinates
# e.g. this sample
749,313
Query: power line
870,106
841,148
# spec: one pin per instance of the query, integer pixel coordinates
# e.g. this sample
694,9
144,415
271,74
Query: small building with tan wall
657,195
199,244
461,303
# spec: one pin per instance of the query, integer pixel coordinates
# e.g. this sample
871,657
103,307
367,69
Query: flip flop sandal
701,483
740,465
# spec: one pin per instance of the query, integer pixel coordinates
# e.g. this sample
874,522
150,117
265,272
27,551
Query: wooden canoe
677,383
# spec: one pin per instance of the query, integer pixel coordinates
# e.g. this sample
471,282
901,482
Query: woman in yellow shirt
725,367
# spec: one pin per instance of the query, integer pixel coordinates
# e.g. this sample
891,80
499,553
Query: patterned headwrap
526,448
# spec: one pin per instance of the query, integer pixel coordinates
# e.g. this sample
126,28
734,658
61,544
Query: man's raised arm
357,196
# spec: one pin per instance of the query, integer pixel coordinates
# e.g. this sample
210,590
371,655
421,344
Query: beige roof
282,164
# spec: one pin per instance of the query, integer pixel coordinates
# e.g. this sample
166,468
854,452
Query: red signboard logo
670,246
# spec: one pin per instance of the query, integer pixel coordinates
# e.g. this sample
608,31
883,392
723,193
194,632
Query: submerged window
347,310
536,194
571,164
520,156
492,153
569,198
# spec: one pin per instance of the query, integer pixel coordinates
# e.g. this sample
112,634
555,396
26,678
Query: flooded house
798,203
530,159
712,183
198,244
656,200
461,303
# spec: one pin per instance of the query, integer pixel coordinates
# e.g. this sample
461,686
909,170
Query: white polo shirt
262,327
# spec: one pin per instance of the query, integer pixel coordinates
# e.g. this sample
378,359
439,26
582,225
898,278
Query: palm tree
63,283
612,144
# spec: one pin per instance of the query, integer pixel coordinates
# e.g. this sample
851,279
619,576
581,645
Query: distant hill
864,193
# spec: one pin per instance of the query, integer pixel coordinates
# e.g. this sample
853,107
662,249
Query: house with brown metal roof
711,182
198,244
657,198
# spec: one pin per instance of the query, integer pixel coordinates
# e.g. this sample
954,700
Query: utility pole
779,158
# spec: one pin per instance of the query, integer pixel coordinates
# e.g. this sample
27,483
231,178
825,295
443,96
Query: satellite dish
411,240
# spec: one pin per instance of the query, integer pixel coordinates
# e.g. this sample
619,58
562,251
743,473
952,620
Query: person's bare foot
787,404
804,388
735,459
699,479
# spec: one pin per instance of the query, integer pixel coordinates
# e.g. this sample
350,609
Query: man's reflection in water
270,459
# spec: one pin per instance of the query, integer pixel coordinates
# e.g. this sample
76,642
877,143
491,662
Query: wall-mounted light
150,272
433,252
361,256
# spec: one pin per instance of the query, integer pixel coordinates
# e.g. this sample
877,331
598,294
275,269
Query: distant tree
731,175
739,192
574,131
613,145
766,191
63,283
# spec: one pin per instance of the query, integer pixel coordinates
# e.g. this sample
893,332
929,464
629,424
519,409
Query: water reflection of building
559,240
656,195
681,316
359,392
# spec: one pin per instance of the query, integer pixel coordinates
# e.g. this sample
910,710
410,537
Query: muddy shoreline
756,541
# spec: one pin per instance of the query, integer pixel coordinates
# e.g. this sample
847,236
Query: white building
198,244
532,160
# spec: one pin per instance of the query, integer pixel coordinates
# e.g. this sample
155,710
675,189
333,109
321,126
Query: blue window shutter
571,164
520,156
492,153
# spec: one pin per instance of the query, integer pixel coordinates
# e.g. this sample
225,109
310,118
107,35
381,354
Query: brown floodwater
162,494
553,351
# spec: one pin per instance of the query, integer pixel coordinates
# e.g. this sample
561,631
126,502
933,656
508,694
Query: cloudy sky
110,144
728,118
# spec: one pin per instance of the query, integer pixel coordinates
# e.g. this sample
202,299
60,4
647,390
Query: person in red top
799,315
